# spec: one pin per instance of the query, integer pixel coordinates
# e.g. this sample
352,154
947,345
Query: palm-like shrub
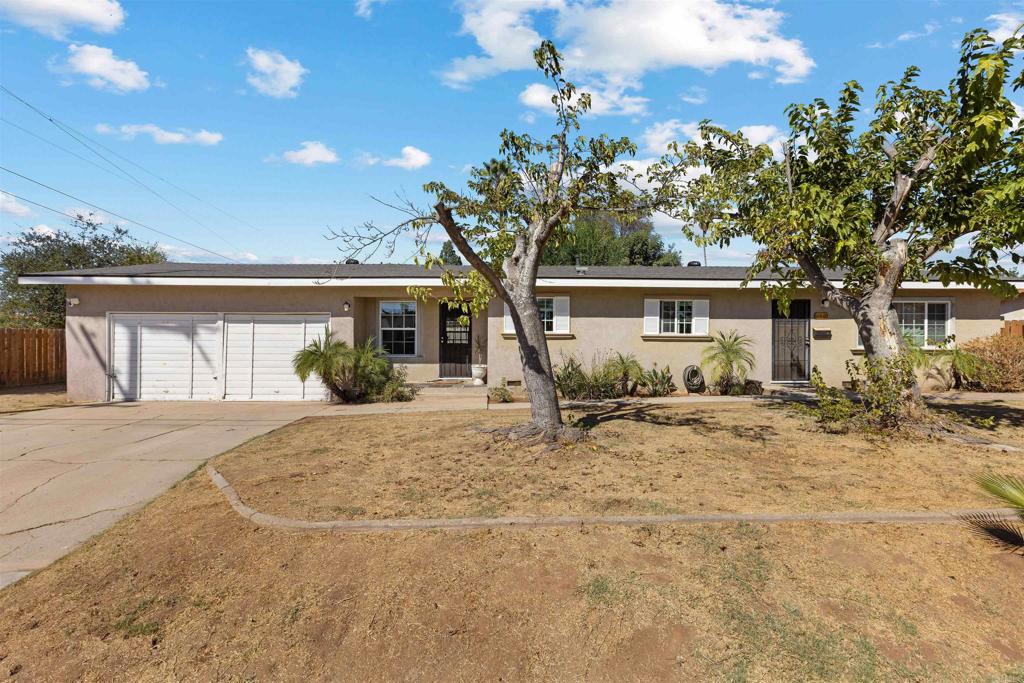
1004,533
957,367
627,369
322,357
729,360
657,382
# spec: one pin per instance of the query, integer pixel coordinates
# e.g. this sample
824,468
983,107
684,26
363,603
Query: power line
81,139
117,215
62,213
60,147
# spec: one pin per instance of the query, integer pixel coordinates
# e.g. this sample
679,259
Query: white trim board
644,283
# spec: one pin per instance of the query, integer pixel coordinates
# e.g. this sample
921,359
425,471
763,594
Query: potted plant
479,369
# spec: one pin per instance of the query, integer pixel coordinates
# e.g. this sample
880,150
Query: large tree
932,169
504,220
37,250
604,238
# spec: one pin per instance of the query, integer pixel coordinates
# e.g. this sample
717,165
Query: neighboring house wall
604,321
1012,309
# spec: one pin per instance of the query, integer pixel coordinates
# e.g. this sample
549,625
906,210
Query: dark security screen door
791,342
456,344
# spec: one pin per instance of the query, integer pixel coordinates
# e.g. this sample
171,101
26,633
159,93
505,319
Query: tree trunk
537,374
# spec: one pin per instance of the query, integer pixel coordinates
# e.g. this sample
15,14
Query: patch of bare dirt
18,399
641,459
186,590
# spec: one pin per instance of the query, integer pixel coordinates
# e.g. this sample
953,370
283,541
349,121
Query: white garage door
179,357
259,351
165,357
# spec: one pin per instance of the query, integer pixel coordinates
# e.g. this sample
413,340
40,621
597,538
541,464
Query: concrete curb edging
381,525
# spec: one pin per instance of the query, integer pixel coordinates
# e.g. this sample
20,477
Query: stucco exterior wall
87,330
603,321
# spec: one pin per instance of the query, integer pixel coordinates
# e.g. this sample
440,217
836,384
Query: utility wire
85,141
112,213
65,214
60,147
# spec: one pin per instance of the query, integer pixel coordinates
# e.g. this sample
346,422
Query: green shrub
657,382
355,374
885,387
577,382
956,367
729,360
627,369
834,411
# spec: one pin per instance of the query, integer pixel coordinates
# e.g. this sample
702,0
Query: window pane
938,315
546,307
668,317
911,316
685,317
398,328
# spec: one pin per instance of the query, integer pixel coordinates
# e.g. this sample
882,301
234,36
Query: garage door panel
260,349
165,357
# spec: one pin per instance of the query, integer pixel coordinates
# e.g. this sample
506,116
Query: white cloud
177,252
310,153
694,95
56,18
928,29
765,135
364,8
12,206
658,136
1006,24
614,44
103,70
606,98
274,74
411,159
42,229
1019,110
182,136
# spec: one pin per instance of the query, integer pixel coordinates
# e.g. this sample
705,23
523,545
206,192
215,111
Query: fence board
32,356
1013,328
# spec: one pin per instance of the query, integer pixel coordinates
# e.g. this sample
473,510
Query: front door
791,342
456,343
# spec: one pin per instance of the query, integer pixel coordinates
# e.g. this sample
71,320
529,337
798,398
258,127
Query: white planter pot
479,373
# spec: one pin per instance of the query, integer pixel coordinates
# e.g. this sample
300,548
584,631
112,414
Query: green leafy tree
883,205
505,219
448,255
34,251
604,238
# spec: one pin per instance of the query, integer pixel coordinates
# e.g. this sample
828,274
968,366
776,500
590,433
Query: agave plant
729,360
1005,533
323,357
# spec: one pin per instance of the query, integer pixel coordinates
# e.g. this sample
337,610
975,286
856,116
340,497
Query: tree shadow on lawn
700,421
978,413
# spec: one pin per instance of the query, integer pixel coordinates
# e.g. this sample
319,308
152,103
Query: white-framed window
398,327
926,323
554,315
676,317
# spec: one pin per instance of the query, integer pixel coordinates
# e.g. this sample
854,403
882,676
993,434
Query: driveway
69,473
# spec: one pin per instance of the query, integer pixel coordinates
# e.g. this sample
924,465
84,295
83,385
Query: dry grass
188,590
20,399
641,460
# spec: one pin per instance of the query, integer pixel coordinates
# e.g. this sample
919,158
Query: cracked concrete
69,473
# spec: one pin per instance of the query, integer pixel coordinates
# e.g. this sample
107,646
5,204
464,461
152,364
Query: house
223,331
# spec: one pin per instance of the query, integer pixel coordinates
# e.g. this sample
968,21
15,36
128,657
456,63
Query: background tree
448,255
33,251
932,168
503,222
604,238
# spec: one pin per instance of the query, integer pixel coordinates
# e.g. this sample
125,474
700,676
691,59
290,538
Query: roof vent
351,262
580,268
692,264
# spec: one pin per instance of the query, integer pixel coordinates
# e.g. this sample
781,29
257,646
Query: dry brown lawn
20,399
188,590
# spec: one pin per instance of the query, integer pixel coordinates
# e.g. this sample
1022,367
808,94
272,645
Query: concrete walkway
455,523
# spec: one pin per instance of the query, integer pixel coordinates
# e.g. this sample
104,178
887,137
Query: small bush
657,382
885,388
1003,357
355,374
500,394
577,382
834,411
729,360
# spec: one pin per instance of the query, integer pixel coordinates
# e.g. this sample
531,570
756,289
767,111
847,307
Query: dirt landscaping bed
20,399
187,590
641,460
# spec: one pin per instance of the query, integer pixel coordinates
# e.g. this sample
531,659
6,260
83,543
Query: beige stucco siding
603,321
87,321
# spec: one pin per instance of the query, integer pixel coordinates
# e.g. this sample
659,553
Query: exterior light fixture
346,307
73,301
825,303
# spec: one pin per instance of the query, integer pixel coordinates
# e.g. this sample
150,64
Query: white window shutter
508,327
700,316
562,314
652,311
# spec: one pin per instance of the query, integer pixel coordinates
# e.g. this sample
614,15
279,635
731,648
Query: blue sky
290,116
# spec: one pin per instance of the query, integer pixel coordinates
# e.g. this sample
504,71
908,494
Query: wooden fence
1013,328
31,356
